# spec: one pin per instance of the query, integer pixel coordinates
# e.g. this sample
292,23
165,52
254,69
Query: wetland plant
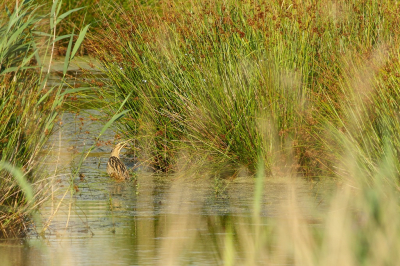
28,107
298,90
223,82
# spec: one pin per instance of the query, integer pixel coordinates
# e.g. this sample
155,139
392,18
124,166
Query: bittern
115,167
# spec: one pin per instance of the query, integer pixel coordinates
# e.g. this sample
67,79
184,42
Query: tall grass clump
357,225
198,80
361,225
28,108
367,114
227,81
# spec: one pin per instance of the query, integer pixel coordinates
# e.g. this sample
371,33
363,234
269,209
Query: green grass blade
53,14
79,40
61,17
44,96
75,90
67,55
59,38
40,33
112,120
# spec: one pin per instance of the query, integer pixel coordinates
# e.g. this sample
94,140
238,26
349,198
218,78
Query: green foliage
230,81
28,108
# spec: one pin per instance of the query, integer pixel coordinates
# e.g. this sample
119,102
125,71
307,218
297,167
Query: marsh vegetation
223,91
29,108
232,82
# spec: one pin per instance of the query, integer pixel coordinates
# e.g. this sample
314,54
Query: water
158,220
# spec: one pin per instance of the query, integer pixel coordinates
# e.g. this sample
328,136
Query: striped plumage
115,167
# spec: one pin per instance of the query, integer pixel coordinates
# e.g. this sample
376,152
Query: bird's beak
126,143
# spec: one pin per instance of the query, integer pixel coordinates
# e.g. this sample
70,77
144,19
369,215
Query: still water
159,220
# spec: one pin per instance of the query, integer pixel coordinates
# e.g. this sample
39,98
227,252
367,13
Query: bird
115,167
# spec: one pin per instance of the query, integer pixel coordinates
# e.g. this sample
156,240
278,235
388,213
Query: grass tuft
229,81
28,109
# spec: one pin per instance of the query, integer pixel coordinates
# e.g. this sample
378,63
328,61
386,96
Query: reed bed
29,108
228,82
286,89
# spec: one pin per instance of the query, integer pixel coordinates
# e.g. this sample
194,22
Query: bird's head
115,152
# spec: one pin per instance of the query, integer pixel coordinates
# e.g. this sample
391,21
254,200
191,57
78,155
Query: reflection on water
165,220
120,224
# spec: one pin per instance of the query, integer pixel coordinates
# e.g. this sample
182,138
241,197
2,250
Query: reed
230,81
29,108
